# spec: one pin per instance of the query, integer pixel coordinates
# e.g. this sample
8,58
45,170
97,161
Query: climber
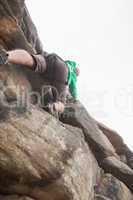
59,73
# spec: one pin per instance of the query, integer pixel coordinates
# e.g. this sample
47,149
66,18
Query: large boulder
14,197
116,140
119,170
111,188
76,115
42,158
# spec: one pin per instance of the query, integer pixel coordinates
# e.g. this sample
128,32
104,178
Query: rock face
41,157
14,197
44,158
103,150
112,188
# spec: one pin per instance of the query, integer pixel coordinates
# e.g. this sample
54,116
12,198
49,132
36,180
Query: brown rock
76,115
119,170
40,157
14,197
111,188
116,140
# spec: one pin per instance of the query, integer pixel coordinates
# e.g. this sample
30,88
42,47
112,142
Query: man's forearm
20,57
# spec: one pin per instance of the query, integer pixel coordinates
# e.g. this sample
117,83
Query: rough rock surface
14,197
105,153
121,148
111,188
76,158
40,157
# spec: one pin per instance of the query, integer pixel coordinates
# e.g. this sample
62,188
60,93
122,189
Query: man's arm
20,57
36,62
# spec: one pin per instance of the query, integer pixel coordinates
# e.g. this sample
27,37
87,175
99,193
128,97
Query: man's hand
59,107
56,107
3,57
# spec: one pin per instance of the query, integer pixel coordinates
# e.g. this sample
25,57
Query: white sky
99,36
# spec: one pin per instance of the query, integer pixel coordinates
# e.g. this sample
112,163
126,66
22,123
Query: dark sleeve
39,63
38,46
30,32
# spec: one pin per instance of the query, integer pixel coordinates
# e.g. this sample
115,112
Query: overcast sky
99,36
